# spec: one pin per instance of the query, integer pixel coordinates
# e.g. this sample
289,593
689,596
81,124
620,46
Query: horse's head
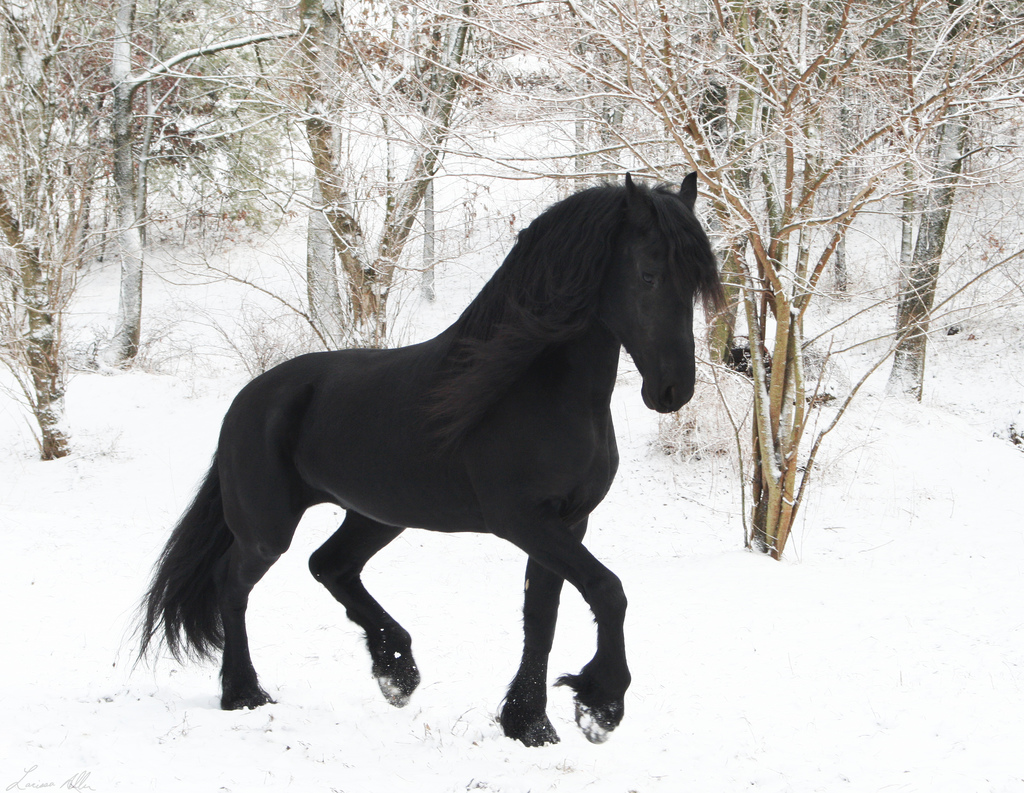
664,262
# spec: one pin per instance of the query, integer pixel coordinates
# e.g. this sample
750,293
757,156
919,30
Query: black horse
500,424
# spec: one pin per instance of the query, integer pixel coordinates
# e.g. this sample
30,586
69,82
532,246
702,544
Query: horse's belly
392,485
397,508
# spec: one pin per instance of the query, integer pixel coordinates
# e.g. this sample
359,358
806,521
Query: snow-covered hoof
596,715
394,692
597,722
395,672
399,681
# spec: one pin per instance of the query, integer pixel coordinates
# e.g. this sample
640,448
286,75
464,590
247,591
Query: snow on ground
884,653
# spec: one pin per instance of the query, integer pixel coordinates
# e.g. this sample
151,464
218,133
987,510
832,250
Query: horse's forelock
691,249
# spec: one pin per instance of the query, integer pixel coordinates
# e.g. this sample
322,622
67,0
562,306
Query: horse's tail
181,603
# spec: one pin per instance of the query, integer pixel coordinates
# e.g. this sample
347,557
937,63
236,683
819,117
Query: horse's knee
316,565
320,565
607,597
326,568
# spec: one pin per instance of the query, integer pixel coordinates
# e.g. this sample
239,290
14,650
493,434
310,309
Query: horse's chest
593,479
540,454
574,466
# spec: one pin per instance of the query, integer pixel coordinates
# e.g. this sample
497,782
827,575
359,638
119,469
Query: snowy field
884,653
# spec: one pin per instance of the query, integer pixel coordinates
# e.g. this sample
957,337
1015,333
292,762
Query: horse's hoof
597,722
397,675
394,693
398,683
540,733
246,700
531,732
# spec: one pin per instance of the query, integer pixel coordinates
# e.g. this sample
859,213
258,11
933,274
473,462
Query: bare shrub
1015,432
715,423
260,340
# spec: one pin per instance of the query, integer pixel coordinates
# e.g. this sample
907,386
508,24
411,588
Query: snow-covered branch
167,66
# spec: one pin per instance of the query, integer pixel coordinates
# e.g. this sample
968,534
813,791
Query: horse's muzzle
666,398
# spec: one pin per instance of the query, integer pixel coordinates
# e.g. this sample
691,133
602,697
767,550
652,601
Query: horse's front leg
523,715
601,685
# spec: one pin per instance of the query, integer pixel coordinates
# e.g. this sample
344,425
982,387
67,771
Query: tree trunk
840,270
42,350
440,107
721,336
142,183
321,23
744,122
325,307
346,234
124,346
40,342
920,281
429,252
779,421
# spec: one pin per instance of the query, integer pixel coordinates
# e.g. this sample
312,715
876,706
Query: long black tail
181,603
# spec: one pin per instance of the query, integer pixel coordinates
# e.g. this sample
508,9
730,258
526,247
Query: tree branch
164,67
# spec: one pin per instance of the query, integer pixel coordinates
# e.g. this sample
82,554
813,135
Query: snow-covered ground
886,652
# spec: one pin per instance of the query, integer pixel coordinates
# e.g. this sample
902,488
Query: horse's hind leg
337,564
523,715
238,572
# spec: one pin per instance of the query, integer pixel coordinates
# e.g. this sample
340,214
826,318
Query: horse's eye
648,278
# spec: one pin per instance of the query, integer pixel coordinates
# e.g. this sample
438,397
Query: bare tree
407,73
333,229
919,280
920,262
48,135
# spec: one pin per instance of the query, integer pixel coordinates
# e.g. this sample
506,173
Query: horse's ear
631,190
637,203
688,192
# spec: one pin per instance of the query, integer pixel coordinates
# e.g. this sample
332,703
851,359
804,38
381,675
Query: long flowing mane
546,292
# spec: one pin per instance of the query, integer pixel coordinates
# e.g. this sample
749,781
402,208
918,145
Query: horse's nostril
668,397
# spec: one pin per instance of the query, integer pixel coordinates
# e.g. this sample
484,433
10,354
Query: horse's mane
546,292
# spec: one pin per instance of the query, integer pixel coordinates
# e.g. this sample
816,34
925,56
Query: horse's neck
588,365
